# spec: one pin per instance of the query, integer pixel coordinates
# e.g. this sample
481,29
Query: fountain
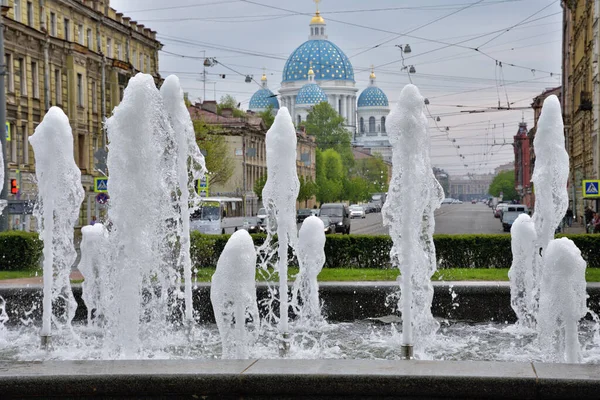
408,211
139,318
59,197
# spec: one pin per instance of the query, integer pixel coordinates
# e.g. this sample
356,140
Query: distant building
245,138
469,187
504,167
522,162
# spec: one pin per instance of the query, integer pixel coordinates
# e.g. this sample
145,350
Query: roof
263,98
373,97
311,93
329,62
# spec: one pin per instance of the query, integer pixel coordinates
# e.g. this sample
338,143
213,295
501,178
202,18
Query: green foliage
330,176
357,189
374,171
504,183
259,184
369,251
308,189
228,101
267,116
20,250
213,145
327,126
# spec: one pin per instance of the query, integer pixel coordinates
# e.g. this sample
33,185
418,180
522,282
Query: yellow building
77,55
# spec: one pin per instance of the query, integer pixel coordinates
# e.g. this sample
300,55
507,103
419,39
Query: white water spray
413,196
279,197
562,301
190,168
233,296
523,283
311,258
59,199
142,185
95,257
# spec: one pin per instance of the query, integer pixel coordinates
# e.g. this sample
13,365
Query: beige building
77,55
470,187
245,137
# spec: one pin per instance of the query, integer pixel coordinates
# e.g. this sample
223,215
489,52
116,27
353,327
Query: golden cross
317,3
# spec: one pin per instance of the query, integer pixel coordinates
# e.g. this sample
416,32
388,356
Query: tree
330,176
216,152
228,101
504,182
259,184
374,171
307,190
356,189
326,125
267,116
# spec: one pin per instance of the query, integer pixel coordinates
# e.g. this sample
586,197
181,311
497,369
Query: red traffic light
14,188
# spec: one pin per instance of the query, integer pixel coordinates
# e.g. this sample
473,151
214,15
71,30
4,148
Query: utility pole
4,193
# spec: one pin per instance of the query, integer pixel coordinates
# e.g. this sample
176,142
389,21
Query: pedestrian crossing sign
101,185
590,189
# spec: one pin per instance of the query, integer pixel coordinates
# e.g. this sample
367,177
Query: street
449,219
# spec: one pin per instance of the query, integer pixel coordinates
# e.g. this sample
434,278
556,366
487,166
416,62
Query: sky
470,56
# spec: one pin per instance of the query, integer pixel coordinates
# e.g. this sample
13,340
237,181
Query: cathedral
318,71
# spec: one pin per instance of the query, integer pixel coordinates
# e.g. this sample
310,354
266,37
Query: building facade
245,139
472,186
581,94
77,55
522,163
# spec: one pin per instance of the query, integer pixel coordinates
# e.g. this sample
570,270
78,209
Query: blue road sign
101,185
590,189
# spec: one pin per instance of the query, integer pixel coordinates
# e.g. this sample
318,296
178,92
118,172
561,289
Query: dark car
339,214
328,226
302,214
253,225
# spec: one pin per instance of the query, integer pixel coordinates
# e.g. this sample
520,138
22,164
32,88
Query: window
80,34
134,59
25,133
13,143
299,120
52,24
80,90
119,51
383,124
322,31
149,70
372,124
18,10
90,40
109,47
29,13
81,144
94,94
23,76
142,67
362,125
67,33
35,81
57,87
10,78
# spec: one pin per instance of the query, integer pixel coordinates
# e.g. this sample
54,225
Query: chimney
210,106
227,112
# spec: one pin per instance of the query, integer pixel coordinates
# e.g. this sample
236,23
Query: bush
364,251
20,251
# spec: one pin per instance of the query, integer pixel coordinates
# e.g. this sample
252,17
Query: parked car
473,201
499,210
302,214
510,214
262,215
314,212
339,214
252,225
328,225
357,211
448,200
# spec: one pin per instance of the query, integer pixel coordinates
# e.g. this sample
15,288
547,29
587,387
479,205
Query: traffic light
14,188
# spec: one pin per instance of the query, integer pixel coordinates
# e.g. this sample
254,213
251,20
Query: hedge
20,251
370,251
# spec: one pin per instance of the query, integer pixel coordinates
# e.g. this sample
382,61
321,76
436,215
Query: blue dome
328,62
262,99
311,93
373,97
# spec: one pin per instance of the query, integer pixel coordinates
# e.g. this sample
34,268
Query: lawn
353,274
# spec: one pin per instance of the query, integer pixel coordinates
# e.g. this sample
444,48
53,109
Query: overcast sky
246,36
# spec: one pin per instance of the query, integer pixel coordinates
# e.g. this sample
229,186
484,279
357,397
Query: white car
357,211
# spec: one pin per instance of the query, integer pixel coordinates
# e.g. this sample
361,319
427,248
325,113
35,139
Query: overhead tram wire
418,27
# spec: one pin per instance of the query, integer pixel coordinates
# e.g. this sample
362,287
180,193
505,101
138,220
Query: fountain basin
342,301
313,379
